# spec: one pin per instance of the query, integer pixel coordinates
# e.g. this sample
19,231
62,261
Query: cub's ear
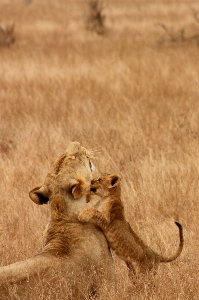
114,180
39,195
78,189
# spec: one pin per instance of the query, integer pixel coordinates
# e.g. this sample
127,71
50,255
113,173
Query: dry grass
123,92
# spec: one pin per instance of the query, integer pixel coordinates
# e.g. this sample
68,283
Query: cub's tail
180,247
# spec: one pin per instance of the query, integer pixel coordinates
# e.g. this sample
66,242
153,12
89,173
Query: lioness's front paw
86,214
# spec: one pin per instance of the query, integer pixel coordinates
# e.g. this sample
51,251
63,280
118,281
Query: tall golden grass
126,93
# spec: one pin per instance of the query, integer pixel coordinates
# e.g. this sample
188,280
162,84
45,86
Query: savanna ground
133,93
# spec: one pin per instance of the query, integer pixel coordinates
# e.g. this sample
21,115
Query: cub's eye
91,165
94,190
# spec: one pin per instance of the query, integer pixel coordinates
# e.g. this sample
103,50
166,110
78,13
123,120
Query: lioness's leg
94,216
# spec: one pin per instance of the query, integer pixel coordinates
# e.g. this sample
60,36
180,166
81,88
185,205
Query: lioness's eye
91,165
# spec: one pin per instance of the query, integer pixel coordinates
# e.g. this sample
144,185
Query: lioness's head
70,176
104,185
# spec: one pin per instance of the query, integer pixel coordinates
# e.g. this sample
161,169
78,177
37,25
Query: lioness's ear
114,180
39,195
78,189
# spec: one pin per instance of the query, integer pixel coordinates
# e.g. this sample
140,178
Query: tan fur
68,244
109,215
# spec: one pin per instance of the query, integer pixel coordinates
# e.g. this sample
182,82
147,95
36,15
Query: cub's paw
86,214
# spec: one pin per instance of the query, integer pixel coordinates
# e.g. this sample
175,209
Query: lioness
68,245
117,230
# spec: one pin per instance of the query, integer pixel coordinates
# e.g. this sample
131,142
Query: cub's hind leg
131,270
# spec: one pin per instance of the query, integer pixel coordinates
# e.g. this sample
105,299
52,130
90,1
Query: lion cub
121,238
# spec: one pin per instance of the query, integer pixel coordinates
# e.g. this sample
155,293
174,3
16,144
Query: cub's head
70,176
105,185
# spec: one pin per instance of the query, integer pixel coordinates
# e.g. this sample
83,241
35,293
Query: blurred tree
95,20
